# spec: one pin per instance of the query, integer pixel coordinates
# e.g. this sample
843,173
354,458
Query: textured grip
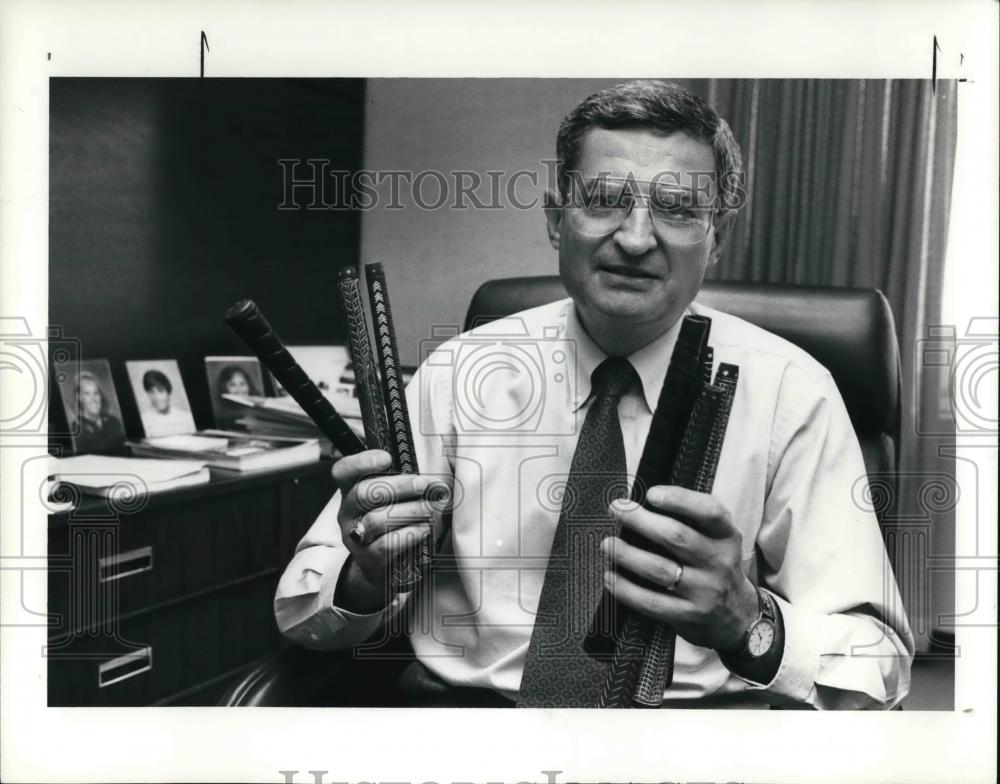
629,655
673,409
682,448
246,320
365,376
695,468
404,572
656,672
412,562
401,442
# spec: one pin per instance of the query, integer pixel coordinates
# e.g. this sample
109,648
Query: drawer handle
124,667
115,567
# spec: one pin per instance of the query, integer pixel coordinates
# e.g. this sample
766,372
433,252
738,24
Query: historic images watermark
311,184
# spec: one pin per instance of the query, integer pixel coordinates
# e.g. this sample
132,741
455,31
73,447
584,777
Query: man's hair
664,108
154,378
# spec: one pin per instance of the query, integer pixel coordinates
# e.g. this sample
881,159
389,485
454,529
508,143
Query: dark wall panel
164,201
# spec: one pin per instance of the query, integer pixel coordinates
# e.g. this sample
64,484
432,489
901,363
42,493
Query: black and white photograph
709,253
238,375
160,397
90,404
329,367
325,365
640,405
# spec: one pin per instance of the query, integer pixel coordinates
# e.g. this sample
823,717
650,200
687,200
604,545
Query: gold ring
677,579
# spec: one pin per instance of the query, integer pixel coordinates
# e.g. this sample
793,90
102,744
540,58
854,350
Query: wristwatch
760,634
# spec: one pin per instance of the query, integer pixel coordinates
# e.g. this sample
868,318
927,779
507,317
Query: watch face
760,638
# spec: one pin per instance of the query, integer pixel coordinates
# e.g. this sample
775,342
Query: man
648,191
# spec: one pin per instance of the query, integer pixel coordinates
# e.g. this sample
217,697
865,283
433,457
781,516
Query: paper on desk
341,397
189,443
99,471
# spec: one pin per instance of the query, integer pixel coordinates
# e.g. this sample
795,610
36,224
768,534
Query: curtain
849,184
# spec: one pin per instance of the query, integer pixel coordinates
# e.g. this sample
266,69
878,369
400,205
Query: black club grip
246,320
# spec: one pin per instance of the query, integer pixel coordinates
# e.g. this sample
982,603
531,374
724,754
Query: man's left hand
714,603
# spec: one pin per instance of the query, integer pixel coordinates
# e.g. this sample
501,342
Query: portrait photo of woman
92,410
238,376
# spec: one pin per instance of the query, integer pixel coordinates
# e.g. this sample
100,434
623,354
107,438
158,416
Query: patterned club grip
626,664
365,375
628,648
673,409
656,672
388,358
695,469
246,320
413,562
403,573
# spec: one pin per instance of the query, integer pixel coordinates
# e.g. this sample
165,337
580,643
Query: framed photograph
325,365
234,376
159,393
331,370
92,410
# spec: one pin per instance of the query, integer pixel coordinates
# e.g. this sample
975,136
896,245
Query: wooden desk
157,601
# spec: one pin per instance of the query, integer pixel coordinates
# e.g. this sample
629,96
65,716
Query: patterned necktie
557,672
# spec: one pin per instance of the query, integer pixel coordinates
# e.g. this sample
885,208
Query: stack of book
282,417
124,477
231,450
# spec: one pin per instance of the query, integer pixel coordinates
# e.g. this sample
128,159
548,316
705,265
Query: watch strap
768,611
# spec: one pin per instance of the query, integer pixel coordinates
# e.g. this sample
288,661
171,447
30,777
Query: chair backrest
849,331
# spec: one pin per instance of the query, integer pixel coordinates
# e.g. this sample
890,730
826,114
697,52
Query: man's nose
635,235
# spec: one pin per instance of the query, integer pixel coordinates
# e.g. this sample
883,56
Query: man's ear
723,229
553,217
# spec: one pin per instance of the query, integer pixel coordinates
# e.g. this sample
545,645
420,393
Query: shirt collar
650,361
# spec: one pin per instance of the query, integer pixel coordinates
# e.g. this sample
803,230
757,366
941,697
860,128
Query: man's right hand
395,514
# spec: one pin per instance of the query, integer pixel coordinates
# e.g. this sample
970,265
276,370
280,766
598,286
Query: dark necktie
557,672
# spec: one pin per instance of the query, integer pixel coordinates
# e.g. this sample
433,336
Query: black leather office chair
849,331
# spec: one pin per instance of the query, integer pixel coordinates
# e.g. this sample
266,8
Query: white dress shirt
497,411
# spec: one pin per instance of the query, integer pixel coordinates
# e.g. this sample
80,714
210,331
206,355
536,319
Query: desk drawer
105,568
167,650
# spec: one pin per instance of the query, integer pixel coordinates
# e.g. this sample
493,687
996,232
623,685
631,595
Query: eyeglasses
678,215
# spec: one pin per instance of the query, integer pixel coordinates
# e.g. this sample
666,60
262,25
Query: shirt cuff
322,624
795,679
361,626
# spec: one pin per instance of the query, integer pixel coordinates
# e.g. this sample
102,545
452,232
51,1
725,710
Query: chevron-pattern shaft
411,564
402,574
623,672
365,375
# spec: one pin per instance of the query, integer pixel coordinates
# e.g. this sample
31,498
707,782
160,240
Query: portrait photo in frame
93,414
235,375
160,397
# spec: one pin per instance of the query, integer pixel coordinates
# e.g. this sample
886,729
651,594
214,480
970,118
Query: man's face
634,278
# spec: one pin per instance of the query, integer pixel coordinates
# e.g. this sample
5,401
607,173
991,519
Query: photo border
777,39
